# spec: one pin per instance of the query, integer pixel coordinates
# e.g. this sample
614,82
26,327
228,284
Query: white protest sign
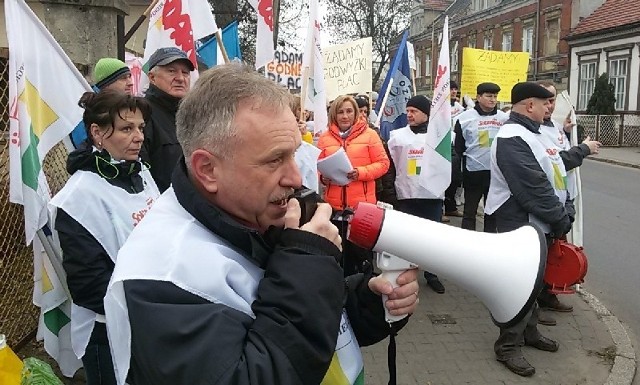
347,68
286,69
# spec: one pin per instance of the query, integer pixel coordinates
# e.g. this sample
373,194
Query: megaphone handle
392,277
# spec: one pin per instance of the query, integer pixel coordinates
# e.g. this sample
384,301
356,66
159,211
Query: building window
527,39
507,40
480,5
488,42
419,64
587,82
427,64
552,32
472,41
618,77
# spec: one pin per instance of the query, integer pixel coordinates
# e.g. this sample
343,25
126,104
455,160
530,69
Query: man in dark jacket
170,80
221,283
528,185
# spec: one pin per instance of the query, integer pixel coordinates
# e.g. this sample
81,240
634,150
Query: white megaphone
504,270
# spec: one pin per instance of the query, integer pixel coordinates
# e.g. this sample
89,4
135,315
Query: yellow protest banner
503,68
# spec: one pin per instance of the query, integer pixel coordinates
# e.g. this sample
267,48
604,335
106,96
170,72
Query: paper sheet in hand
335,167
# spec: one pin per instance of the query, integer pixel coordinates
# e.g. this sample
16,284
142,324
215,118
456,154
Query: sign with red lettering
286,69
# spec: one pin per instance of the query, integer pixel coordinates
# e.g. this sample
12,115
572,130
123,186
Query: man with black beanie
474,132
406,150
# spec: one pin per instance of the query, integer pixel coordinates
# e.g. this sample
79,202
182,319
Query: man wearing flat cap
170,80
528,185
474,133
406,150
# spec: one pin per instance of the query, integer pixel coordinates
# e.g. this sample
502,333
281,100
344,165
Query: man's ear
152,77
205,168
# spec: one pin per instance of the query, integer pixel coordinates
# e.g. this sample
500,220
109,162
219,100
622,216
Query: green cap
108,70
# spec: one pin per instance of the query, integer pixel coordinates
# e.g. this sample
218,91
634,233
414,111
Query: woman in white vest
109,192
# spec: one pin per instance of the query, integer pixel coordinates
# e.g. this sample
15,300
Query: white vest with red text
187,254
407,151
547,155
109,214
478,132
558,136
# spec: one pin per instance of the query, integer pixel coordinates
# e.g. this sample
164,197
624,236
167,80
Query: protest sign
503,68
286,69
347,68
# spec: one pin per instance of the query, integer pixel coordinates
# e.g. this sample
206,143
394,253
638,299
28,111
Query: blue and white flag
394,113
210,52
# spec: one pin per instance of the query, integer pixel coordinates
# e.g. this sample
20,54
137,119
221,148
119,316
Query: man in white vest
474,131
572,157
406,150
528,185
221,283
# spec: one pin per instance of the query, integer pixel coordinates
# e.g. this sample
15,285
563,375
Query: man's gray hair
205,118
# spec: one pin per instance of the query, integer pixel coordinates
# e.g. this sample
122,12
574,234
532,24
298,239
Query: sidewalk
449,340
622,156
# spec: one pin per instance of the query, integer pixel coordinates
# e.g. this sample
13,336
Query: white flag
312,62
436,166
178,23
54,325
44,89
264,33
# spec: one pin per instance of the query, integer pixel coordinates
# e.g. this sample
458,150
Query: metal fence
18,315
611,130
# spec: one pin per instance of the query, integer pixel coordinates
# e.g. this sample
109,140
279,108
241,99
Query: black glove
561,227
570,208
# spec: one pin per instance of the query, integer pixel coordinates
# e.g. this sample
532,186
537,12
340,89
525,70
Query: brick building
535,26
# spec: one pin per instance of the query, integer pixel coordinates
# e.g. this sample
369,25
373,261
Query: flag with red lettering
44,88
436,166
179,23
264,34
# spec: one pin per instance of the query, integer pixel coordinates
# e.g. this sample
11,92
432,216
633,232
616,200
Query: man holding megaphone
528,185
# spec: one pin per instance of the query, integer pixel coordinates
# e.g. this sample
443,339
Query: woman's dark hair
103,107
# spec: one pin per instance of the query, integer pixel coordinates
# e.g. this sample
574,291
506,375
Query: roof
437,5
610,15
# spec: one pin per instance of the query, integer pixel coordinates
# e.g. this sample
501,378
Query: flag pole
384,102
138,22
225,56
413,82
55,258
303,90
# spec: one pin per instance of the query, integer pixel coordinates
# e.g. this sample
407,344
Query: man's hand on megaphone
560,228
404,298
320,224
